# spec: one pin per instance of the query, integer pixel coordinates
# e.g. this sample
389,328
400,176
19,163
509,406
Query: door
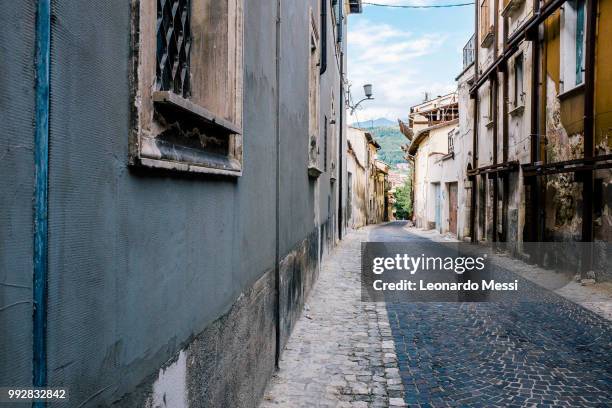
452,208
437,198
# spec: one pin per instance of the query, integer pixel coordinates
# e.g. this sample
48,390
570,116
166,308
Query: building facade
368,180
173,173
357,177
380,180
540,99
437,154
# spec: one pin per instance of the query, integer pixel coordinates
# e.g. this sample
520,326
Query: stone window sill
487,40
194,140
314,171
516,111
451,155
571,92
184,106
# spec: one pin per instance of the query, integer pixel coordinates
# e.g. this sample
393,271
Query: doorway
452,208
438,206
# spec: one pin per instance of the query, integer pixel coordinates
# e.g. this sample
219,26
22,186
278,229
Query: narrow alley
225,203
346,353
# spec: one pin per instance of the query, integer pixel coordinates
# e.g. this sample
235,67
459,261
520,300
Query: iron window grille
173,46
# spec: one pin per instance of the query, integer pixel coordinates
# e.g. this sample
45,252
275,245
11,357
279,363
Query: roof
382,166
405,129
371,140
435,103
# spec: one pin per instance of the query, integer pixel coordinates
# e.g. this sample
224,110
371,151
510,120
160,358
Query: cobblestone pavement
347,353
341,352
542,354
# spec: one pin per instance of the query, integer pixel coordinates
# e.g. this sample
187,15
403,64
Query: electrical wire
414,6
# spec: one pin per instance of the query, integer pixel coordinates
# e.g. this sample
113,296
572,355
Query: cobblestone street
341,353
347,353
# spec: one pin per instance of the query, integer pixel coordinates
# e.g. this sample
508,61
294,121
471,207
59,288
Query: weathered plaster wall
464,151
603,119
356,165
519,147
563,124
152,269
431,169
358,210
420,184
17,106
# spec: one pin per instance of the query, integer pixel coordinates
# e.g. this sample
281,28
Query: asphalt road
486,354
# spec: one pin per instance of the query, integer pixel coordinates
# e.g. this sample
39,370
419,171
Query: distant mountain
391,141
380,122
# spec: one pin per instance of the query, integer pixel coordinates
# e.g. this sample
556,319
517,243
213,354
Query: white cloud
387,57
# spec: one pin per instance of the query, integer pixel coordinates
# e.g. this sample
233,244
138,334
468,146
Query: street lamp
367,90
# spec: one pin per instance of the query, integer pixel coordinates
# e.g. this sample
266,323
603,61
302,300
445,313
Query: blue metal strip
41,160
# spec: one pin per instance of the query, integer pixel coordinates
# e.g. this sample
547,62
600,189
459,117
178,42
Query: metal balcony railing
468,52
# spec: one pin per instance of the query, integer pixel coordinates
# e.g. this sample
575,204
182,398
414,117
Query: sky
404,53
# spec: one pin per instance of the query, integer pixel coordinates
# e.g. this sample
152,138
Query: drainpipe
535,133
505,177
342,113
277,187
495,113
475,130
41,193
589,109
323,37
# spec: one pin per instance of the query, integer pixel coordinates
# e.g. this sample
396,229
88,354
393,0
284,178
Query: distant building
436,163
404,167
357,178
379,211
368,180
397,179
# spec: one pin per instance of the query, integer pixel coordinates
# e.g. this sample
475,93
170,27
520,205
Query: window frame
486,28
198,132
572,48
314,96
519,78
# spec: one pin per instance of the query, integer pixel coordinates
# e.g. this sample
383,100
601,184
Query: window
313,99
451,142
325,128
173,46
486,29
491,102
336,4
187,86
518,81
573,43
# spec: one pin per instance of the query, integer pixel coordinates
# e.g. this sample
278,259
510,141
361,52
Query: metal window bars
173,46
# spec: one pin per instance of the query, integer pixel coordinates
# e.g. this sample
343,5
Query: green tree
403,200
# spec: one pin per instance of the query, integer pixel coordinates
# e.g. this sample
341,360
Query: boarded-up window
187,83
486,29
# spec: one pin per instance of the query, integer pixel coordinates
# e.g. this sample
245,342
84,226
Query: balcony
469,52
